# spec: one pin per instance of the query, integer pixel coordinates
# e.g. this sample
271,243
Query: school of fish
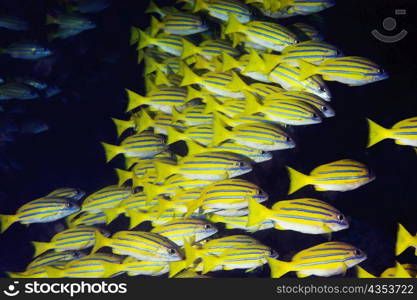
230,92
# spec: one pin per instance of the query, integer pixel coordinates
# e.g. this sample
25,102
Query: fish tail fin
100,241
278,267
400,271
136,217
256,63
175,267
210,262
192,93
189,49
150,85
271,61
41,247
237,83
257,213
145,121
51,20
156,26
70,219
123,176
362,273
212,104
134,35
54,272
6,221
122,125
189,76
194,147
111,151
112,213
144,39
404,240
233,25
141,56
161,79
191,253
252,104
164,170
220,132
199,5
135,100
306,69
377,133
229,62
129,162
151,65
174,135
153,8
151,191
163,205
297,180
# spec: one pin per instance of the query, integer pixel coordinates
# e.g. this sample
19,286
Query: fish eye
322,89
340,217
273,253
357,252
241,164
380,71
171,251
208,226
315,116
324,108
288,139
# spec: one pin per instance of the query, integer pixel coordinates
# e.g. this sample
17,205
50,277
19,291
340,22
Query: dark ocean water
94,67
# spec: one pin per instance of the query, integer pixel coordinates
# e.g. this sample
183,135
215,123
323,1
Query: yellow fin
404,240
362,273
174,135
100,241
135,100
252,104
199,5
255,64
233,25
41,247
123,176
194,147
189,49
191,253
112,213
156,26
122,125
189,76
134,35
145,121
271,61
151,191
229,62
111,151
153,8
377,133
306,69
6,221
237,84
210,262
161,79
297,180
278,267
220,132
137,217
257,213
175,267
144,40
54,272
164,170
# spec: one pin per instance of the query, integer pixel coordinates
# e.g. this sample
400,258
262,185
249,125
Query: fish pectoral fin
301,275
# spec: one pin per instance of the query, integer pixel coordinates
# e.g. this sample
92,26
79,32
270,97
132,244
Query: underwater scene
208,138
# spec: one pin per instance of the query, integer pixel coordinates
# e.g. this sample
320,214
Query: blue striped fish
13,23
304,7
350,70
327,259
342,175
142,145
193,115
398,271
73,21
69,239
207,166
54,258
172,44
179,201
240,223
403,132
107,197
310,51
257,156
227,194
308,32
270,35
259,136
221,9
17,90
189,229
160,122
214,82
202,134
230,107
288,111
42,210
26,50
141,245
310,216
86,219
134,267
289,77
67,193
162,99
264,90
97,265
179,24
209,49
